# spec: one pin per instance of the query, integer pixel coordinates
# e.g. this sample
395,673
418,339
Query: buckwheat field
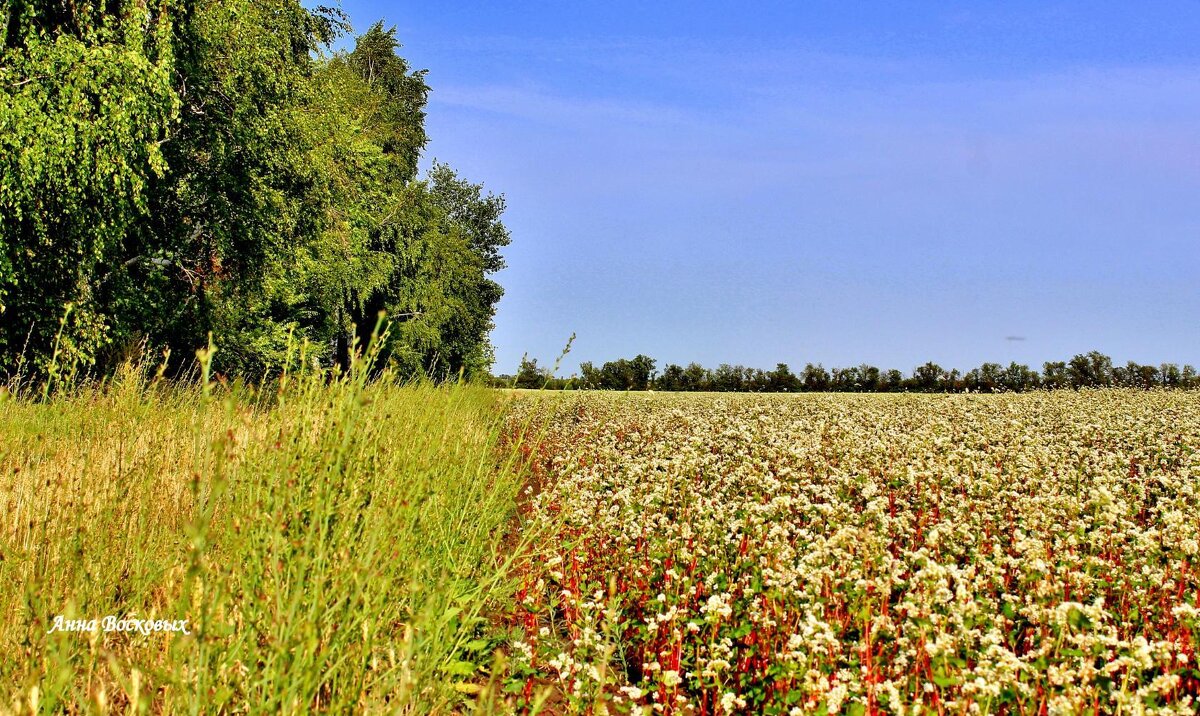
1020,554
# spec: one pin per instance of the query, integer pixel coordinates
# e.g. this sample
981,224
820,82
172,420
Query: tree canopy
175,169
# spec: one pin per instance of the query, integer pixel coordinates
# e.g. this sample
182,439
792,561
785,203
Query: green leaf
460,668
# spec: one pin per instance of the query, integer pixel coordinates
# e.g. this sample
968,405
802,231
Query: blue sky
829,182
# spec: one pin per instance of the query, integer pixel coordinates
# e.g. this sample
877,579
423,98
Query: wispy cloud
894,136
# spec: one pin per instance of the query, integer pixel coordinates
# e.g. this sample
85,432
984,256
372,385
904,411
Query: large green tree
87,102
196,167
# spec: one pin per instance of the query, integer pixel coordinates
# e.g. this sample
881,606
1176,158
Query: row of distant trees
1085,370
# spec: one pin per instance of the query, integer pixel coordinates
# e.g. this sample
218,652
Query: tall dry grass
335,545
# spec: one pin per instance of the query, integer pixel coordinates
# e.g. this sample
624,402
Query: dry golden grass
333,545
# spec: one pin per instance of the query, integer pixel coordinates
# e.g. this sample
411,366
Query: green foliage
202,167
241,197
86,102
531,376
623,374
398,112
420,266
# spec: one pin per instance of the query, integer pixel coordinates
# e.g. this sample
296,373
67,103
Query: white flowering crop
1029,554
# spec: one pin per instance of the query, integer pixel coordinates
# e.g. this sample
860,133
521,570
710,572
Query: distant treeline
1088,370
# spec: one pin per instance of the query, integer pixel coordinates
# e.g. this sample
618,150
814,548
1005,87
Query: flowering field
1019,554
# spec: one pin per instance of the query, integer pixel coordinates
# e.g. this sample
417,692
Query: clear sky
830,182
